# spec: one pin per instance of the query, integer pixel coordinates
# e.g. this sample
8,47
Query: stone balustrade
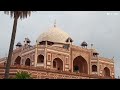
58,48
80,48
106,59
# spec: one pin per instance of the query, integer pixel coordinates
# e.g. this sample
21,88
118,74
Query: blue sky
102,28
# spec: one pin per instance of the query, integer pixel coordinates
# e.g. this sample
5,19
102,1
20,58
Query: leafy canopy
23,75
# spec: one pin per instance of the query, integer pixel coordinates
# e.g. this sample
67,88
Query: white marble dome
55,34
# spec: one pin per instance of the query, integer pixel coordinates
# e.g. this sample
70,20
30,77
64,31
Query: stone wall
41,73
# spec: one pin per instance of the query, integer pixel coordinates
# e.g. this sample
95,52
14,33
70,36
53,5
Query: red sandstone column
36,54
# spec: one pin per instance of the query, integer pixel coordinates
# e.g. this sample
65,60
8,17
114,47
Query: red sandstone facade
55,58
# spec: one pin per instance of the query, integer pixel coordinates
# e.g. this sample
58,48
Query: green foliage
23,75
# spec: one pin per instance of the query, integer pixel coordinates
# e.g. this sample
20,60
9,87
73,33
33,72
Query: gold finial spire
55,23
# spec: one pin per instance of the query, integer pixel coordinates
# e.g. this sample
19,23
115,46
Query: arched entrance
106,72
94,68
80,65
27,62
40,59
58,64
17,61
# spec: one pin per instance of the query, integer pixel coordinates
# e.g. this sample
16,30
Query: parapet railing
106,59
80,48
58,48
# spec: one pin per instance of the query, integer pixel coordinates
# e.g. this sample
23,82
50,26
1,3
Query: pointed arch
58,64
27,62
94,68
40,59
17,61
80,65
106,72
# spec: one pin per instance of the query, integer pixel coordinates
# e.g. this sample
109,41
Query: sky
100,28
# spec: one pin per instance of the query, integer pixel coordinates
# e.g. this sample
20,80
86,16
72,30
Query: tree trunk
7,69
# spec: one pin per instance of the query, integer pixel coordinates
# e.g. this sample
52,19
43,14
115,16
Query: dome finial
55,23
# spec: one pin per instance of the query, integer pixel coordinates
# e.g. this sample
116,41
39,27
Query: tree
23,75
16,15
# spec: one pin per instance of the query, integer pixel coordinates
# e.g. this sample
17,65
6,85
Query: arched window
80,65
40,59
58,64
106,72
17,61
27,62
94,68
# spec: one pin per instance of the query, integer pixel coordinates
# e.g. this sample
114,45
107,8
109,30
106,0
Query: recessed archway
17,61
80,65
106,72
94,68
58,64
27,62
40,59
